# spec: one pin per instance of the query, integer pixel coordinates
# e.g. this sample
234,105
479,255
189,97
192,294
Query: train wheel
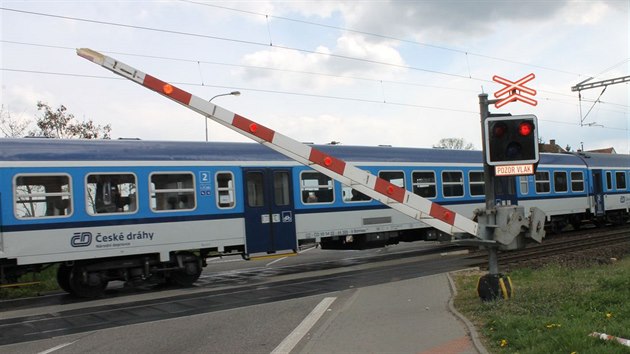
63,277
92,287
556,227
189,274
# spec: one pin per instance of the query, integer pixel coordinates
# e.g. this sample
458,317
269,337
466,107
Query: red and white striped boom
377,188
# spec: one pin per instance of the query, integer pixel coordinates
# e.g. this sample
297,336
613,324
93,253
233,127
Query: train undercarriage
89,278
557,223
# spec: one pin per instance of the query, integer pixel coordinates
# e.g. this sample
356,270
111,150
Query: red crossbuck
514,90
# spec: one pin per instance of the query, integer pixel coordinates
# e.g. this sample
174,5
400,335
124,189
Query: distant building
555,148
609,150
551,147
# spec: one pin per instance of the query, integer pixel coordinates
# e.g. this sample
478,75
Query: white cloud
353,56
21,100
584,13
437,21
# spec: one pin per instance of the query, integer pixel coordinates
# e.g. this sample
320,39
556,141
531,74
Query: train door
505,190
269,212
598,192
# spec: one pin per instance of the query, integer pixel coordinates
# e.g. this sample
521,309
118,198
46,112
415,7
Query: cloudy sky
402,73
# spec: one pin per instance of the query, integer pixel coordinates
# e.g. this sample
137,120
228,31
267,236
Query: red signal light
167,89
525,128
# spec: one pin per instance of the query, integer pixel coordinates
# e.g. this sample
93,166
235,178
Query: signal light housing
511,140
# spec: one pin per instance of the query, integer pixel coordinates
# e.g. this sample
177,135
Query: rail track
586,244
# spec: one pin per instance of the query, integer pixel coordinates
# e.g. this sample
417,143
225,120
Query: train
136,211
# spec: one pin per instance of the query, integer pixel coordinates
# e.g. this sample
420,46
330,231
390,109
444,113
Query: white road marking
56,348
308,249
300,331
274,261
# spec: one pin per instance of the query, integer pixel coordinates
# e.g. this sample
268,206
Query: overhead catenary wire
339,56
462,51
297,49
352,77
469,76
293,93
241,41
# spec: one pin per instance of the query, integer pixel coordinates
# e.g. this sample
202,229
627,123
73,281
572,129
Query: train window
111,193
424,183
609,181
316,188
225,190
255,189
396,178
42,196
560,183
542,182
524,185
452,183
577,181
281,188
172,191
477,185
620,178
351,195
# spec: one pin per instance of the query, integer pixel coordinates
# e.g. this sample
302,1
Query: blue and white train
134,210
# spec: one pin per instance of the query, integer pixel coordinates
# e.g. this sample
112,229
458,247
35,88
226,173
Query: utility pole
585,85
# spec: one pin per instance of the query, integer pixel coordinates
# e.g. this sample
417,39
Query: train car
609,187
574,189
136,210
560,188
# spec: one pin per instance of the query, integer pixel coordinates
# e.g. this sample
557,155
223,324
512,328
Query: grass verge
554,309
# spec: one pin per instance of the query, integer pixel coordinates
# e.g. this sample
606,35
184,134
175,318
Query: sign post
510,149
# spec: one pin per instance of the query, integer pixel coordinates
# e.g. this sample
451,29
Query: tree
61,124
10,126
454,144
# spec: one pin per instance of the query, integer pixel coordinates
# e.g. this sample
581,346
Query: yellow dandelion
504,343
609,315
553,325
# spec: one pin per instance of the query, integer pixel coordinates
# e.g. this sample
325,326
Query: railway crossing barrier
506,234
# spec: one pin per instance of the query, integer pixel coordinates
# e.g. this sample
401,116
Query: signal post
510,148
